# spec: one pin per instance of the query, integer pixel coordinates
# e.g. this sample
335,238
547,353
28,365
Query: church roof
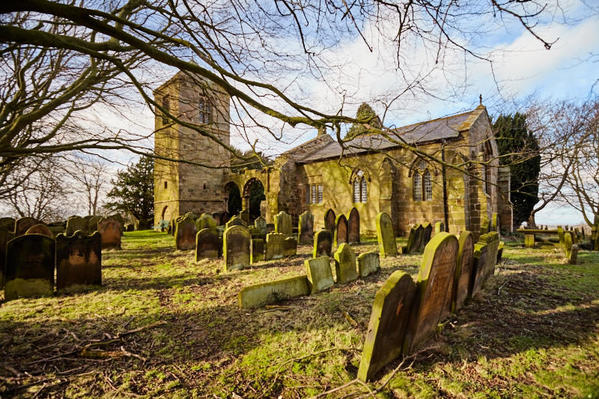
417,133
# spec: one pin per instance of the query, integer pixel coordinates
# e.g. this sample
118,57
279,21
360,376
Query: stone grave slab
92,224
29,267
318,271
385,235
290,246
185,233
275,246
345,264
7,224
463,271
323,243
208,244
23,224
427,231
306,228
236,247
283,223
110,230
5,237
75,223
257,250
368,263
353,226
273,291
41,229
235,221
78,260
260,225
205,221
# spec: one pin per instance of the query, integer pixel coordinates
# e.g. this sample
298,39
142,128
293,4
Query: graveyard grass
533,332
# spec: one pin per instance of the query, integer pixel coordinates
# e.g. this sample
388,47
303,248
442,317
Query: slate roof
418,133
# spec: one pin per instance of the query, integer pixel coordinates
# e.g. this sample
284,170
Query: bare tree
91,176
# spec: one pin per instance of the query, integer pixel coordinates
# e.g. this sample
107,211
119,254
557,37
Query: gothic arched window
417,186
204,110
427,185
422,184
360,187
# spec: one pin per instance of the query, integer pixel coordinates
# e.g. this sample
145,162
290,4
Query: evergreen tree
133,191
365,114
519,149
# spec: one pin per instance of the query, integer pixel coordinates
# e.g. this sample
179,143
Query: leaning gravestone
110,230
7,224
205,221
235,221
329,220
435,282
368,263
283,223
185,233
40,229
340,230
323,243
463,271
413,241
318,271
257,250
485,258
273,291
208,244
75,223
78,260
236,247
345,264
427,231
389,322
353,226
275,246
29,267
385,236
23,224
306,228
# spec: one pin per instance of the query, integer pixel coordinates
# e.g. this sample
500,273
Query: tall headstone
110,230
388,325
75,223
340,230
427,231
353,226
435,281
306,228
29,267
23,224
283,223
40,228
185,233
323,243
318,271
329,220
275,246
236,247
385,236
345,264
78,260
463,271
208,244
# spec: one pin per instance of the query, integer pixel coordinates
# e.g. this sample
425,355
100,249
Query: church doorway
232,199
253,194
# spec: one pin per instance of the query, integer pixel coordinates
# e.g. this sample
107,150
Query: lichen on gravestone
345,264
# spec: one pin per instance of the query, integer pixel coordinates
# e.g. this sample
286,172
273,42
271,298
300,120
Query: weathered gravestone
92,224
245,216
185,233
260,225
5,237
236,247
75,223
29,267
323,243
353,227
78,260
529,240
368,263
385,236
345,264
485,258
110,230
439,227
23,224
435,284
427,231
389,321
274,291
40,229
329,220
275,246
290,246
208,244
340,230
414,239
283,223
306,228
235,221
463,271
318,271
570,249
205,221
7,224
257,250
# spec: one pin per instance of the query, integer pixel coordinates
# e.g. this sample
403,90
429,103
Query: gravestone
78,260
306,228
529,240
5,237
290,246
75,223
207,244
463,271
413,241
274,291
7,224
275,246
353,227
345,264
185,233
92,224
435,282
29,267
368,263
257,250
427,231
245,216
439,227
388,325
340,230
260,225
283,223
485,258
385,236
318,271
323,243
235,221
110,230
236,247
23,224
560,234
205,221
570,248
329,220
41,229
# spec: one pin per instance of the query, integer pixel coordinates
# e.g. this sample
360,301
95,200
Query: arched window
428,186
417,186
360,187
422,184
204,110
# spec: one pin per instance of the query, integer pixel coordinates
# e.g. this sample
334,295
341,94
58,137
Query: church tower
195,184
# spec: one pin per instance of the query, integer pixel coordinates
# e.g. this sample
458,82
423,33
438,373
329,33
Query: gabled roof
417,133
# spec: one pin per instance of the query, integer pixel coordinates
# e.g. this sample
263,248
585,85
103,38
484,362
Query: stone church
371,173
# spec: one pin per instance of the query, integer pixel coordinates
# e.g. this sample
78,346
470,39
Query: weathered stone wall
504,205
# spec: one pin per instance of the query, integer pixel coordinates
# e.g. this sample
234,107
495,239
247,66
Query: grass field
164,325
